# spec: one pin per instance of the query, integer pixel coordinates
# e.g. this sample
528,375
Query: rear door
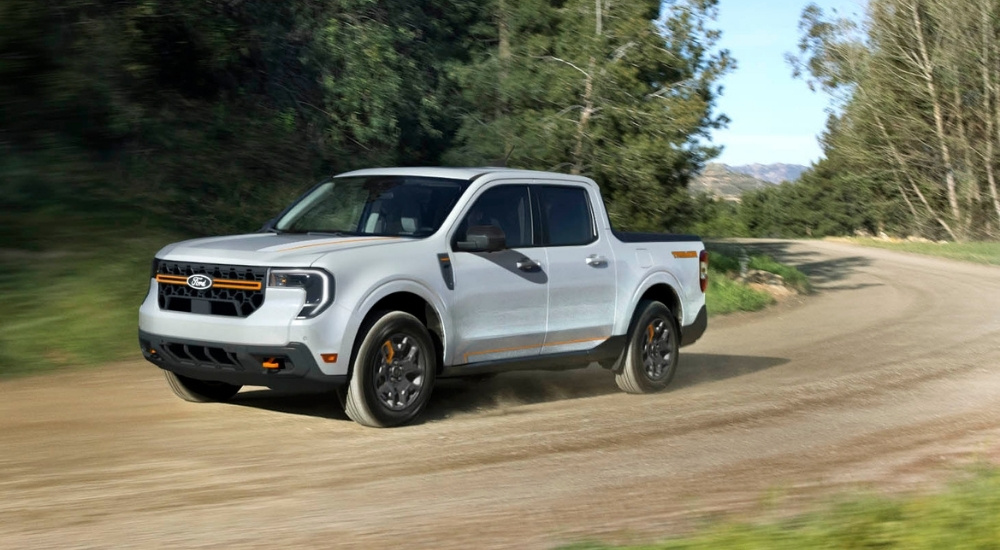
582,285
499,302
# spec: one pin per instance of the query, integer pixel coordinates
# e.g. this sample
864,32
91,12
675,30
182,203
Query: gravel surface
885,379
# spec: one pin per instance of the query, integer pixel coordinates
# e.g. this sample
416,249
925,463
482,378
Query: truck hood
266,249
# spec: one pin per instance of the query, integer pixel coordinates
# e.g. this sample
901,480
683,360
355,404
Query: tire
393,371
200,391
650,359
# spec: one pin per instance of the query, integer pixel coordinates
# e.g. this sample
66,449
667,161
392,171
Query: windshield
375,205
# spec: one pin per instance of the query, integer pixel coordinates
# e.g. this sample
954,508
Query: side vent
446,271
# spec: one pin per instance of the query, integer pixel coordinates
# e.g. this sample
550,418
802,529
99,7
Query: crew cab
377,282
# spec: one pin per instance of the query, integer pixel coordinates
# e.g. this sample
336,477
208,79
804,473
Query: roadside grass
71,288
727,295
792,276
978,252
965,515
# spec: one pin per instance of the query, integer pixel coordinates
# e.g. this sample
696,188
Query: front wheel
651,356
393,372
200,391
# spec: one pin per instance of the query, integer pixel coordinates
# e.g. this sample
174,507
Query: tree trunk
588,92
927,70
909,203
968,184
904,169
991,95
503,57
967,147
585,114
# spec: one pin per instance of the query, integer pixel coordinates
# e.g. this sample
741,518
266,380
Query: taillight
703,267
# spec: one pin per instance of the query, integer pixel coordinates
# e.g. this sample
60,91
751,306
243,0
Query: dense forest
912,147
210,115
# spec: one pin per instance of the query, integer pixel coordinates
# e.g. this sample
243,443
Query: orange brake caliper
390,351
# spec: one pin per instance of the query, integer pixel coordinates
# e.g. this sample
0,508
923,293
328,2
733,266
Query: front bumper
272,326
238,364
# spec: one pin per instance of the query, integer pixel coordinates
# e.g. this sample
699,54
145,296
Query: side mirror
483,238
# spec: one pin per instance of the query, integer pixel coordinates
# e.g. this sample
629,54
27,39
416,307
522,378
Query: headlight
317,284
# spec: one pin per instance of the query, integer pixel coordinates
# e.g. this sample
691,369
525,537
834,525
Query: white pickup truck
377,282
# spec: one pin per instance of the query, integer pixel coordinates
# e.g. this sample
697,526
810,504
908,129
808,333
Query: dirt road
885,378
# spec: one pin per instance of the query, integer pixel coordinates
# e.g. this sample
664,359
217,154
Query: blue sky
775,118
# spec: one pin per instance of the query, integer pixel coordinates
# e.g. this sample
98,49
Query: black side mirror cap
483,238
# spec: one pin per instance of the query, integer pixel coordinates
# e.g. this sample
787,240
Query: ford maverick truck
377,282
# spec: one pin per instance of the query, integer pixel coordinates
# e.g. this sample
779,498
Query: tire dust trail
886,378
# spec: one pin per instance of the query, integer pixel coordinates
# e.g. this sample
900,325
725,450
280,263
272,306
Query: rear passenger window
565,215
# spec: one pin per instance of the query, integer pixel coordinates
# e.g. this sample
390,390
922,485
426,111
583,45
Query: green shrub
726,295
793,277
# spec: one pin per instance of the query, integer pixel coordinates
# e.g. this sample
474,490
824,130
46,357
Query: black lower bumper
691,333
237,364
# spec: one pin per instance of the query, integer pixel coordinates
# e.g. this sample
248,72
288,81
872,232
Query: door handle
528,264
596,261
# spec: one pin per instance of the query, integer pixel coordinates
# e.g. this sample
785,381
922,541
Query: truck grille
238,291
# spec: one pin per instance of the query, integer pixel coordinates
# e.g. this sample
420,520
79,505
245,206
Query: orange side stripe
519,348
686,254
329,243
231,284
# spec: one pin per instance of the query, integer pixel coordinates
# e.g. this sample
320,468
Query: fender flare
386,288
652,279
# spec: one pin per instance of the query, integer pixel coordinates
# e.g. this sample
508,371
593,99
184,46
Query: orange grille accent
231,284
171,279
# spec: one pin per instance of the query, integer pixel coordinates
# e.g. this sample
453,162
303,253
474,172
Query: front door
499,302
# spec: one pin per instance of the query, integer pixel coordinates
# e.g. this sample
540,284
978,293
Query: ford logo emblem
200,282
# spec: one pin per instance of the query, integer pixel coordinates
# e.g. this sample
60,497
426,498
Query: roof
441,172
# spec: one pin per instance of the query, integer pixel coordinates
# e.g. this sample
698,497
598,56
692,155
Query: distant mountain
773,173
723,182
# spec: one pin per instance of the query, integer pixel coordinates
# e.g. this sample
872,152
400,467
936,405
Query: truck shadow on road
700,368
504,393
320,405
526,388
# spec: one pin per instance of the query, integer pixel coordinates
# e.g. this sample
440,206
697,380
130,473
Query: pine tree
612,89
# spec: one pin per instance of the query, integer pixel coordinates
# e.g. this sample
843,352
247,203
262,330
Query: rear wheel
393,372
200,391
651,356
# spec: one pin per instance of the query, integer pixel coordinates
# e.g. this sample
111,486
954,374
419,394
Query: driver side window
506,207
